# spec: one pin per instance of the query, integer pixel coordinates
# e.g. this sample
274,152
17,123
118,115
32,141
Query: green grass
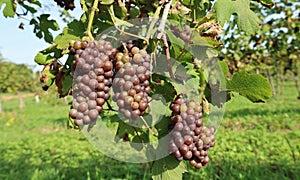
254,141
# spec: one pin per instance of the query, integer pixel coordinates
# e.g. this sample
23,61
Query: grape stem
161,27
91,19
148,127
162,35
166,46
155,18
109,107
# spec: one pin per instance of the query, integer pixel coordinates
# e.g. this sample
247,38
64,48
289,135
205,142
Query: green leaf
168,168
29,8
247,19
175,39
200,8
122,130
74,31
253,86
67,84
157,107
107,2
9,9
203,41
137,143
117,21
43,59
45,56
42,27
224,67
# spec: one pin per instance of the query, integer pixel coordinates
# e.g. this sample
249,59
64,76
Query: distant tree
15,78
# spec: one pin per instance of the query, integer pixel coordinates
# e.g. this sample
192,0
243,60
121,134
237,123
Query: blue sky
20,46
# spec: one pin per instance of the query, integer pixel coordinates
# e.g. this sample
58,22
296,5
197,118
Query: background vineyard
259,57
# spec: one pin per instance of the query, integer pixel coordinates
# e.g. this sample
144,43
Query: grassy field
254,141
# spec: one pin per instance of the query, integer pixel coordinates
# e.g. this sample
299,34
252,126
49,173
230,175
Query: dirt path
10,97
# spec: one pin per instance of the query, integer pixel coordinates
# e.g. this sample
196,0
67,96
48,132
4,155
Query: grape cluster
92,73
185,34
189,139
66,4
131,83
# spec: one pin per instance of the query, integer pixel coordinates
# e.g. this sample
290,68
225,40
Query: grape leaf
224,67
187,86
47,55
9,9
247,19
43,59
29,8
174,39
203,41
200,8
67,84
74,31
41,28
117,21
168,168
253,86
122,130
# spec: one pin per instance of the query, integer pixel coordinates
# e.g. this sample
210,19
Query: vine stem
155,19
148,127
166,45
162,35
112,14
91,19
161,27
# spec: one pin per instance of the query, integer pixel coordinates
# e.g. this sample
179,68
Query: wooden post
21,101
1,107
297,84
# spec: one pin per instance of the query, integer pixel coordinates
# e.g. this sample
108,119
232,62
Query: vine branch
161,27
162,35
91,19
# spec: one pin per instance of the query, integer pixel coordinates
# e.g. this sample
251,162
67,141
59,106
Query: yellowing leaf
9,9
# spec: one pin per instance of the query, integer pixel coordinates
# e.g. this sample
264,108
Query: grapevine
122,55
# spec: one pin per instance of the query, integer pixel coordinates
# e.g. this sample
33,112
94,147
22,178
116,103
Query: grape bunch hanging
131,83
190,140
96,67
93,72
